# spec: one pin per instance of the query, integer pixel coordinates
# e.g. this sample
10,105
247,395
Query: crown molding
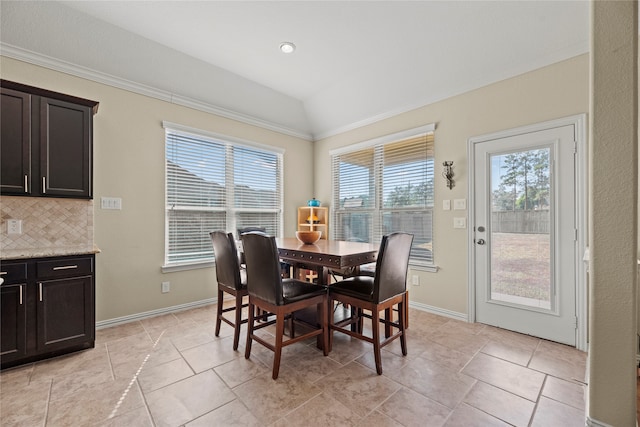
56,64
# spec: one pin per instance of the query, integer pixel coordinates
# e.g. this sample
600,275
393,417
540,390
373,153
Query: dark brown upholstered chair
385,290
269,292
231,279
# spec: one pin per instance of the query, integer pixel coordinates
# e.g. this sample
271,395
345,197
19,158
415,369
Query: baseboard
146,314
176,308
439,311
590,422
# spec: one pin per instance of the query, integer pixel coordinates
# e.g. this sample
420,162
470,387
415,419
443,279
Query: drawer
14,272
69,267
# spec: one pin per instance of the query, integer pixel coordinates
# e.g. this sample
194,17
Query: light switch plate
446,205
114,203
459,222
459,204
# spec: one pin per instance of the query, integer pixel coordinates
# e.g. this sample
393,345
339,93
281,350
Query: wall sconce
448,173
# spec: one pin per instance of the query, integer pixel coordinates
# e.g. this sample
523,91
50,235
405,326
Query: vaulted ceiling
356,61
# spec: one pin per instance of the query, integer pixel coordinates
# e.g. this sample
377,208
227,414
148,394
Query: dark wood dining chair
269,292
231,279
384,291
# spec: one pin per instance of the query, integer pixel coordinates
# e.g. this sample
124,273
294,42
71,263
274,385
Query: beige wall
129,163
613,217
552,92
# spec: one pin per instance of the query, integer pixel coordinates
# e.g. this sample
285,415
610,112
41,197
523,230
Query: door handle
480,241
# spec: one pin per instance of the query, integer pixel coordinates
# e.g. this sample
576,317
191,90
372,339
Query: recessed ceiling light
287,47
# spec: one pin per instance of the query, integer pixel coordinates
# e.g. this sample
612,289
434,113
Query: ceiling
356,61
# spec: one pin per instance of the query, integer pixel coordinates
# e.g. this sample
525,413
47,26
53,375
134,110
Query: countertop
47,252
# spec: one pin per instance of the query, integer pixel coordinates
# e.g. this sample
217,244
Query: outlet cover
166,287
14,226
459,204
114,203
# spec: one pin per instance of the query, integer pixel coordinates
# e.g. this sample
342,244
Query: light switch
459,204
459,222
111,203
446,205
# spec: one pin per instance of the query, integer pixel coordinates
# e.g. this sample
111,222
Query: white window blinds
212,184
384,188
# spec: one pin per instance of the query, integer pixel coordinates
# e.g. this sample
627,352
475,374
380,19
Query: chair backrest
263,267
391,266
244,230
226,254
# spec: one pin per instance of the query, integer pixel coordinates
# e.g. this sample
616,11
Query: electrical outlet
415,280
14,226
166,287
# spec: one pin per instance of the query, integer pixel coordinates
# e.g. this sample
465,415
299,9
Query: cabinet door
65,149
15,142
13,338
65,315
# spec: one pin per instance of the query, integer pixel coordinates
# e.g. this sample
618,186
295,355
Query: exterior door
525,232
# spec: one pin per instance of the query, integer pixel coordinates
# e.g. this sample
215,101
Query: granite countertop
48,252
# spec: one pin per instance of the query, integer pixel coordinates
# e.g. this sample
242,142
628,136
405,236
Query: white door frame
579,122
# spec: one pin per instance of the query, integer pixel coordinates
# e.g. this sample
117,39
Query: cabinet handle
26,184
44,185
40,290
65,267
20,294
2,273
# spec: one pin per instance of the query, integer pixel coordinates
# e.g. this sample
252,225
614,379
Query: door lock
480,241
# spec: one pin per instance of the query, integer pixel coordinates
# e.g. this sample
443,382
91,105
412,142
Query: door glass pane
520,244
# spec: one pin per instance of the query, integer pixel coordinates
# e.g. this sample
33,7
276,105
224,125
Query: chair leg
375,326
323,309
330,321
238,323
247,349
278,347
219,312
388,317
402,312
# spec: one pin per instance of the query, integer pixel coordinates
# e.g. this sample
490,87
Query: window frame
377,211
229,208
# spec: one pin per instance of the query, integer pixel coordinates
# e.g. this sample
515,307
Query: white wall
555,91
129,163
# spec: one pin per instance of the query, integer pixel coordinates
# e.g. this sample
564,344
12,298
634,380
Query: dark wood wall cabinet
47,308
46,142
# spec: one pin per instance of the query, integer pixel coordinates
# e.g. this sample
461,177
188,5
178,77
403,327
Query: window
385,186
216,183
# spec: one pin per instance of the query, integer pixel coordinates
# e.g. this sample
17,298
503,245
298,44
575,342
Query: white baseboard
176,308
146,314
439,311
590,422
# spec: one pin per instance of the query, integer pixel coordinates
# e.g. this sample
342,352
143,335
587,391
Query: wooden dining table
325,255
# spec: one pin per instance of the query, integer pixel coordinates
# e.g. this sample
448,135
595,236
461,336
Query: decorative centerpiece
313,203
308,237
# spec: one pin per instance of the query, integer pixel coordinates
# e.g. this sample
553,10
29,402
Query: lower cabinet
51,313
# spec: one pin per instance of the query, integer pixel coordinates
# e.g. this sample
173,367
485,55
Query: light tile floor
171,371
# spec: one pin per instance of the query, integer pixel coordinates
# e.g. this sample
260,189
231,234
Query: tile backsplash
46,223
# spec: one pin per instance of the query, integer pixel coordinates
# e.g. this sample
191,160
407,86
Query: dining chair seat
382,292
272,294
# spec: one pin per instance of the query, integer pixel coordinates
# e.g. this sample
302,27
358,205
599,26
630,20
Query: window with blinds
384,187
216,184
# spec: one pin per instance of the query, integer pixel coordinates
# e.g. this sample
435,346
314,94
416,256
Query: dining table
325,255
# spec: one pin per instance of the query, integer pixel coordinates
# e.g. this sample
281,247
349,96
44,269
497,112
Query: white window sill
170,268
422,267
